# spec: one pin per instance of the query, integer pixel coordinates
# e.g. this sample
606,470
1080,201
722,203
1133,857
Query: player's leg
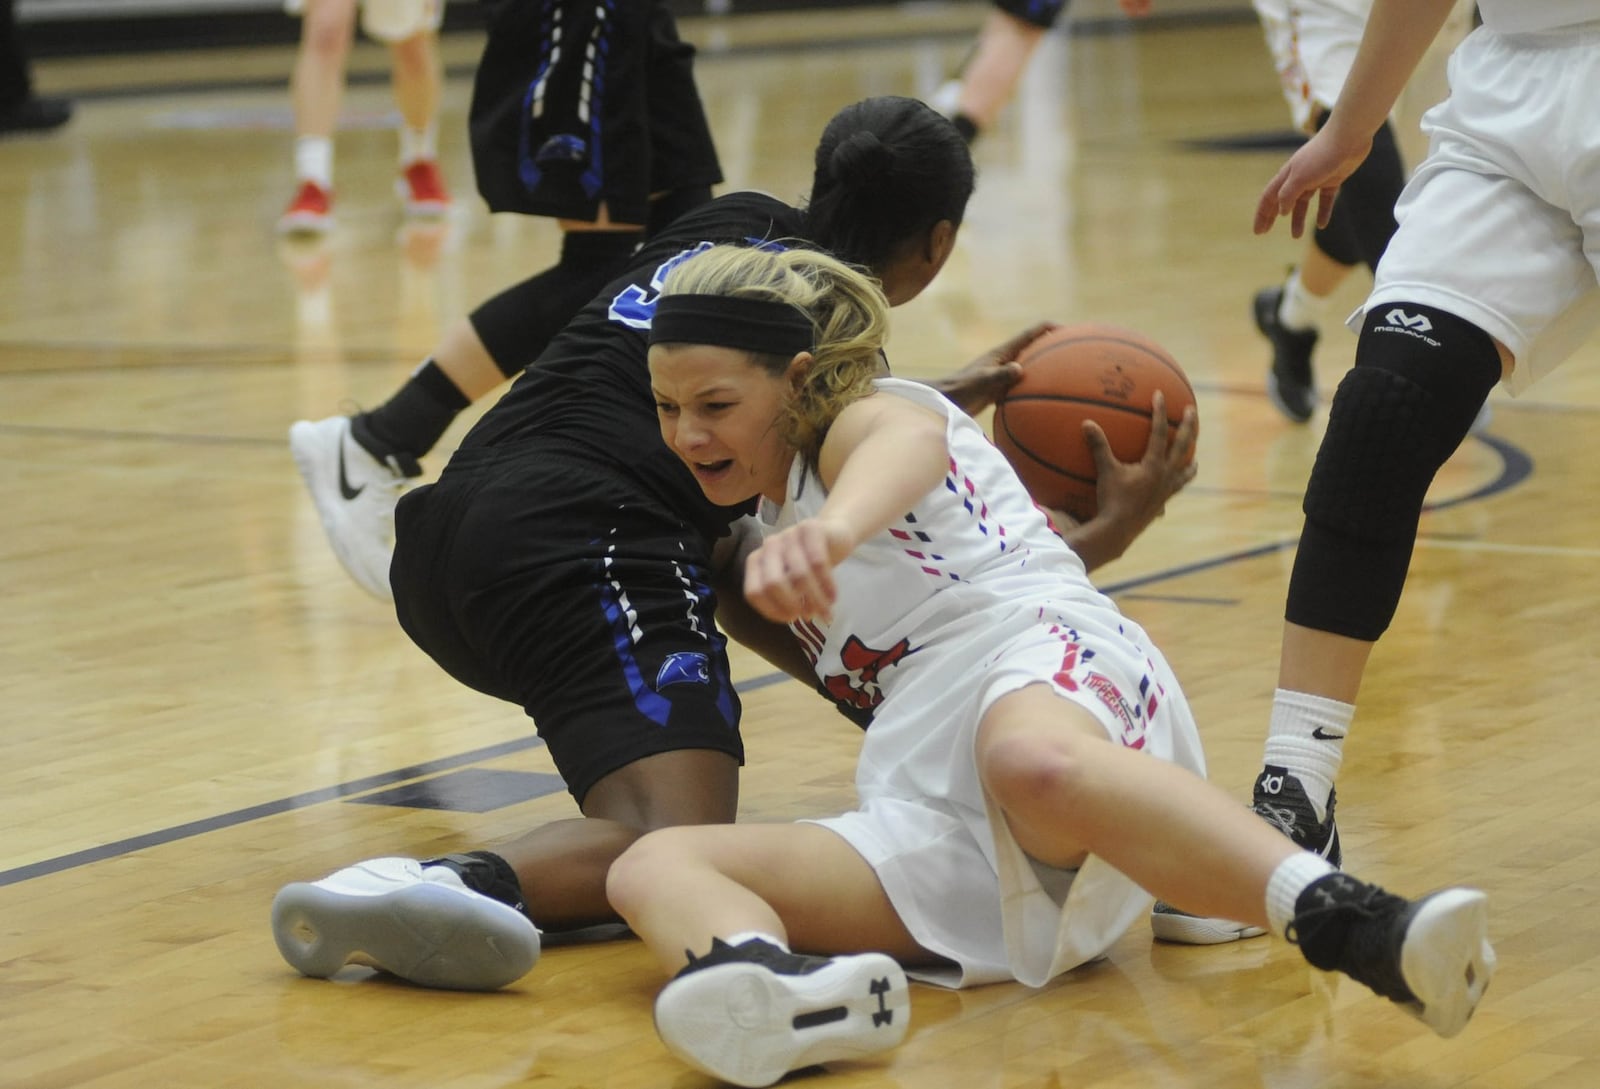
723,908
549,583
316,87
1010,35
417,76
1291,315
1067,790
1453,309
357,467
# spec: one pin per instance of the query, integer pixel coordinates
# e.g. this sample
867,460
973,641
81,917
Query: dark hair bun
861,158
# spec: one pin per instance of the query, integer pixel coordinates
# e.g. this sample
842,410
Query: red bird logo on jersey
859,687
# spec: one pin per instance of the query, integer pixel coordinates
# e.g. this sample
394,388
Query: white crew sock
1286,884
418,144
1300,310
313,160
1306,738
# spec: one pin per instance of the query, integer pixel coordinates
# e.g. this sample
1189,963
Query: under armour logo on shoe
1417,322
884,1016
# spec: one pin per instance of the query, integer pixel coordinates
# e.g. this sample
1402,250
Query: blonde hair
849,318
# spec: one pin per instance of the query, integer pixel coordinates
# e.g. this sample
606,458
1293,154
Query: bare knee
643,868
329,30
1024,772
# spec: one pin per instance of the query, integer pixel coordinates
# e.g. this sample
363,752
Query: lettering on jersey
859,687
635,305
1129,714
1076,676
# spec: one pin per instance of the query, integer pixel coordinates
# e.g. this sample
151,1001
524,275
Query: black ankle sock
487,873
408,424
966,126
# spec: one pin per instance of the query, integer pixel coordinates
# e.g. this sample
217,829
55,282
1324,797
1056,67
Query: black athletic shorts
1041,13
579,104
543,579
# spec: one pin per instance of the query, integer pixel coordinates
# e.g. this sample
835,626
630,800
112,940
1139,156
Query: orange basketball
1075,373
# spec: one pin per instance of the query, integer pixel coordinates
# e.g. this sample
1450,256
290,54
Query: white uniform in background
1313,43
1500,224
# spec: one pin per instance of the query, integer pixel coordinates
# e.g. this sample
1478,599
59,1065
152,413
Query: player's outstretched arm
1132,494
881,455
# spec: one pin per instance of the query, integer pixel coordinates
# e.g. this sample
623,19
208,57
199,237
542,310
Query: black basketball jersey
589,392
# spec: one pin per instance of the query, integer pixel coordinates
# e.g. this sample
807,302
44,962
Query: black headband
754,325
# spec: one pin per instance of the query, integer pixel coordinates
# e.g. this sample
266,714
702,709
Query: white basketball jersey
979,523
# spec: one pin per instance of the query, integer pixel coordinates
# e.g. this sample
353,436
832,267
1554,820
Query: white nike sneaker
418,922
355,494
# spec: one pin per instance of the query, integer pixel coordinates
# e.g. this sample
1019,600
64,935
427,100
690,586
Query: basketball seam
1142,413
1048,466
1124,341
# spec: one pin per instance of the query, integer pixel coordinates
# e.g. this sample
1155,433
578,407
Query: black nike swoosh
1316,733
344,484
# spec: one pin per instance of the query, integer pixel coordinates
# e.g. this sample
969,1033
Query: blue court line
255,812
1516,466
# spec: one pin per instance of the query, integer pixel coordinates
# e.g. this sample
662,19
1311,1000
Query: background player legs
989,77
316,88
20,109
417,75
1290,316
416,78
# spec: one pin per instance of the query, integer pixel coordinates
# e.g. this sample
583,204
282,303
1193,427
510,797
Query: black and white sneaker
751,1013
1290,385
1431,956
1280,800
414,920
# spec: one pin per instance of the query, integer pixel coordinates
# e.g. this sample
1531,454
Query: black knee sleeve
516,324
1421,375
1363,217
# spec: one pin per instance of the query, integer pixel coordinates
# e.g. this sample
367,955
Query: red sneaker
311,211
422,188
